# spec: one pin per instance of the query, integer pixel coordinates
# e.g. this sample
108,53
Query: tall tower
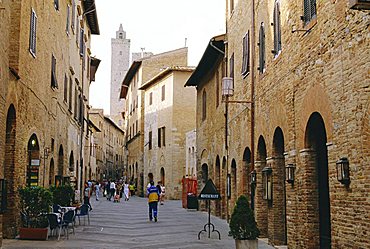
119,67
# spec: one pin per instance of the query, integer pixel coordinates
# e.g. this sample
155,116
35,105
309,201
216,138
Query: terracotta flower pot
246,244
33,233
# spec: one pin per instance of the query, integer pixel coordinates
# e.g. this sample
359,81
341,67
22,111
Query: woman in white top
126,191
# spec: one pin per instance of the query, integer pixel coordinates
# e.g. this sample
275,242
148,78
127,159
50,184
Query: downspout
252,83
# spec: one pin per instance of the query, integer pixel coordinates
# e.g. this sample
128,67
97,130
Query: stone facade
310,108
191,152
120,62
169,112
140,72
46,95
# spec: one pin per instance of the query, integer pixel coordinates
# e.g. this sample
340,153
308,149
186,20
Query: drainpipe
253,51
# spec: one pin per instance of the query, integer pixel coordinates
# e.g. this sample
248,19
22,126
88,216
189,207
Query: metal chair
54,223
83,211
68,220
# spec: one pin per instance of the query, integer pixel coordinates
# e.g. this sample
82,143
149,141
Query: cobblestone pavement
126,225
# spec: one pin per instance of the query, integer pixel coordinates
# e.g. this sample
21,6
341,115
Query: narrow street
126,225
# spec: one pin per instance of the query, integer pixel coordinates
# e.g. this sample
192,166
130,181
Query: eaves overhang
91,16
212,55
128,77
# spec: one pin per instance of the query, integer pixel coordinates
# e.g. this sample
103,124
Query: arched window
262,51
204,105
277,29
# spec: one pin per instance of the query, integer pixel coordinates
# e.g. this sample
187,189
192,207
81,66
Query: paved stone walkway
126,225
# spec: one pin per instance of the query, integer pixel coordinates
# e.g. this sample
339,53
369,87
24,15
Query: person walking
112,190
87,194
126,191
153,197
163,193
97,190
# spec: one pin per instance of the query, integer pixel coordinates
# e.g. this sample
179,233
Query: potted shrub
34,204
63,195
243,226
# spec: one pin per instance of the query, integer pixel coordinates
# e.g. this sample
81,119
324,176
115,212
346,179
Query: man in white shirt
112,189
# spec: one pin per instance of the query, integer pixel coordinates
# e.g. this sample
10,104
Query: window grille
309,10
262,49
33,25
245,65
277,29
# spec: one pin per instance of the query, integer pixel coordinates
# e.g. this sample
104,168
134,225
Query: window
277,29
77,31
67,22
137,101
161,136
73,14
65,88
231,6
309,10
76,104
150,140
137,126
232,66
54,82
262,46
33,25
163,92
70,94
82,43
151,98
245,65
204,105
56,4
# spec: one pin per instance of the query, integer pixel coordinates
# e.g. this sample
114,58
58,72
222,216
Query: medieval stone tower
119,66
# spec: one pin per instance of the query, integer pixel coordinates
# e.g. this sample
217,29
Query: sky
156,25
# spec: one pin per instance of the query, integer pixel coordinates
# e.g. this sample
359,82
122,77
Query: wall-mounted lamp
227,86
289,173
228,186
3,195
267,183
253,178
343,170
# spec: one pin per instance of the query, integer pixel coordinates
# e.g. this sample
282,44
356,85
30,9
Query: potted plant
243,226
34,204
63,195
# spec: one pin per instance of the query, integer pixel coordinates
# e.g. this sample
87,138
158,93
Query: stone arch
51,172
218,183
10,215
247,157
61,161
163,176
315,182
277,228
260,204
224,211
234,182
33,148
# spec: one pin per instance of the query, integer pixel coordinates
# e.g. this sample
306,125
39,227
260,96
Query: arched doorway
33,166
224,212
277,212
9,216
234,183
260,204
59,176
218,184
248,169
51,172
316,165
162,173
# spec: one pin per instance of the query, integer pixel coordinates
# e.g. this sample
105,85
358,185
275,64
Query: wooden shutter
306,11
204,105
232,66
54,82
164,136
56,4
159,137
313,8
278,28
150,139
33,26
65,88
82,43
73,14
245,65
67,21
262,51
163,92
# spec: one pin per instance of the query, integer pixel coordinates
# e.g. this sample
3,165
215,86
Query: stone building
139,72
169,112
109,144
191,152
308,112
46,94
120,62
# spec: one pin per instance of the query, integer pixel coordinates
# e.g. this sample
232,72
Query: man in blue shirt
153,197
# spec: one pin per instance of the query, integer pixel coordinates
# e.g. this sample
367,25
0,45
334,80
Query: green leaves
62,195
242,223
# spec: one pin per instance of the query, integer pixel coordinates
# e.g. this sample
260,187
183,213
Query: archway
33,148
9,216
51,172
60,170
277,212
162,173
224,211
248,169
234,183
316,167
261,204
218,184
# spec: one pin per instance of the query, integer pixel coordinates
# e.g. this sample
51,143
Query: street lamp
253,178
267,183
289,173
343,171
